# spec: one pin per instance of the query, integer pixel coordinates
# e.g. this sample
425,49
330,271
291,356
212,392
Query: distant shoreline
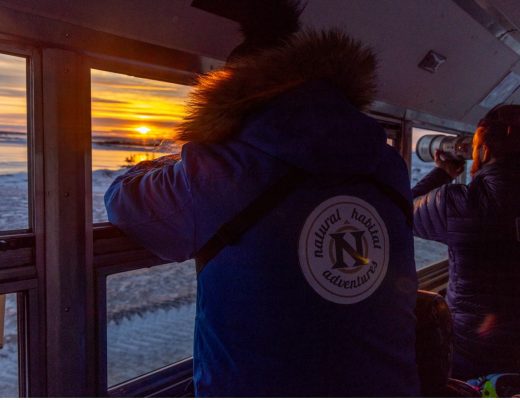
101,140
13,133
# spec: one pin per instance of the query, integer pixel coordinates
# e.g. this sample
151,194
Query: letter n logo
342,246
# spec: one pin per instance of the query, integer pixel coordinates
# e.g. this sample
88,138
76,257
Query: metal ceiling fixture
432,61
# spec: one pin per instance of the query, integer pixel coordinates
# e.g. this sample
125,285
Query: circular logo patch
343,249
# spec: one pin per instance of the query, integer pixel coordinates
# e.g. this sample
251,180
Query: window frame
22,250
433,277
113,253
63,319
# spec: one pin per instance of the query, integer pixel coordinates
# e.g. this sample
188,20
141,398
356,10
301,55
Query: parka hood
295,102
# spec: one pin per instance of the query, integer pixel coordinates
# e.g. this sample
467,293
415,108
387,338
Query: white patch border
303,249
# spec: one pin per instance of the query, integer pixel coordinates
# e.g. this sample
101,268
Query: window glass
13,143
427,252
133,120
8,346
150,319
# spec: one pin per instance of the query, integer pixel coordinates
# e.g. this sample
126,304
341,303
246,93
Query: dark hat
502,114
265,24
502,129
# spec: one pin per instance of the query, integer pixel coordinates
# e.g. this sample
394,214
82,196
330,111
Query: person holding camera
480,223
298,214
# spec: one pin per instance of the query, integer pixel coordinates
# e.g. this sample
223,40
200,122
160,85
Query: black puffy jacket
480,223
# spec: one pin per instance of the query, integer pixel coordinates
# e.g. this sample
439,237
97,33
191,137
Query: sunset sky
122,106
136,107
13,114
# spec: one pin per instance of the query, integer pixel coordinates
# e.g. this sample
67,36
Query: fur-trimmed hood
223,99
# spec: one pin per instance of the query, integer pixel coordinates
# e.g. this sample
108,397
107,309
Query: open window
133,120
147,307
427,252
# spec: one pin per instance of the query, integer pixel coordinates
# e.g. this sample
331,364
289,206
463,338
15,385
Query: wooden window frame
53,265
433,277
114,253
22,252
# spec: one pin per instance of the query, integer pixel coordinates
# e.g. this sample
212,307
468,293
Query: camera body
453,147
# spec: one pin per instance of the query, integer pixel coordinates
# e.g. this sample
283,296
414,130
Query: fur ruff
223,98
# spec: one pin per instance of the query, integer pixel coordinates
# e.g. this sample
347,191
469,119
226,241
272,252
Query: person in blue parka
315,298
480,223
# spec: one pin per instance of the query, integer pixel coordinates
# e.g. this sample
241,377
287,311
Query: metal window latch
4,245
15,243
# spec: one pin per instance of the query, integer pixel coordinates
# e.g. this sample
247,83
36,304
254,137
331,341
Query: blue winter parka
317,298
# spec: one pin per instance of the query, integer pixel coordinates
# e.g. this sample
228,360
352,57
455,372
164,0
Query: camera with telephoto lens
453,147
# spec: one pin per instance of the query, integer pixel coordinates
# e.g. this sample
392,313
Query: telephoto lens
453,147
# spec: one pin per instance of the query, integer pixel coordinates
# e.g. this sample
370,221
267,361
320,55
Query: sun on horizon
143,130
135,108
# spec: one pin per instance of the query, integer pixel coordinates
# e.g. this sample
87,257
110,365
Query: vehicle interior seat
434,348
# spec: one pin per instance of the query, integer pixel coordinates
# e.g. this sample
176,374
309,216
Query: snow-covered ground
9,353
150,312
150,319
101,180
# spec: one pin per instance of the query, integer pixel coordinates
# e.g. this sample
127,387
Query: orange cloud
121,104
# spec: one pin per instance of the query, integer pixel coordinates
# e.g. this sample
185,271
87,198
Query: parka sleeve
432,211
152,204
430,219
429,215
436,178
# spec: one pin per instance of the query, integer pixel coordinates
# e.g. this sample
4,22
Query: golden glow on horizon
13,94
122,106
121,103
142,157
143,130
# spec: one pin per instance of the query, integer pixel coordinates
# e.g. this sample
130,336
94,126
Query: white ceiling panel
403,32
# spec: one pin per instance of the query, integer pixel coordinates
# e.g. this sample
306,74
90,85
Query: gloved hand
452,167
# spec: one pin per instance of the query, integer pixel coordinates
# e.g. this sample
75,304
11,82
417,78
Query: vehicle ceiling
479,39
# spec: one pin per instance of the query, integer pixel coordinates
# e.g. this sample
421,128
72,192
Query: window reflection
150,319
